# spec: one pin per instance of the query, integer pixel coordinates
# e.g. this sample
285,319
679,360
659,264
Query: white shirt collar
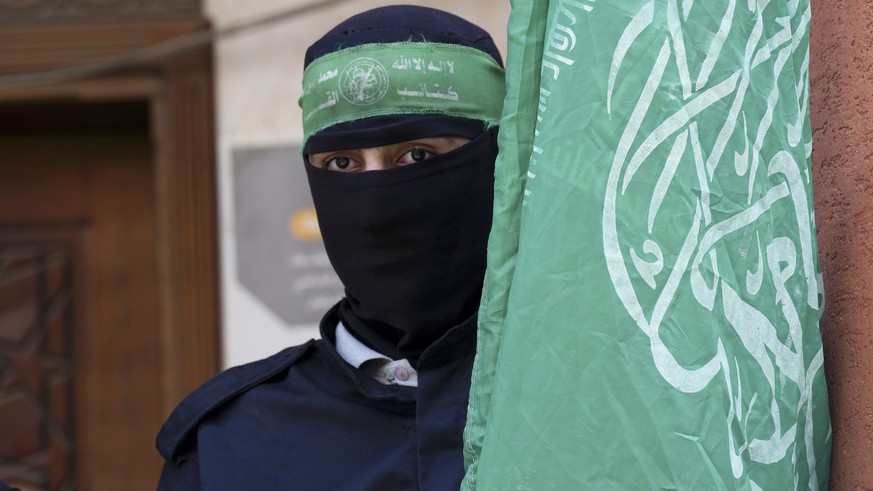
354,352
386,371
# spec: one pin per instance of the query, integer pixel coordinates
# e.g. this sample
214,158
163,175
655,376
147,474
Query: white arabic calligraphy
449,94
775,345
421,64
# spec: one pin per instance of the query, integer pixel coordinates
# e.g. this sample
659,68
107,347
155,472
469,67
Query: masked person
400,109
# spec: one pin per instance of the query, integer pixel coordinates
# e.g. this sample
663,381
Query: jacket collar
457,342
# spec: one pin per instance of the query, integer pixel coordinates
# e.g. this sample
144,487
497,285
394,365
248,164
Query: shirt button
401,374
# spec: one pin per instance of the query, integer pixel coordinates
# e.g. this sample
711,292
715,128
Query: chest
312,431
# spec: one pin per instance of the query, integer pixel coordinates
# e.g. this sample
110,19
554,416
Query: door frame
179,90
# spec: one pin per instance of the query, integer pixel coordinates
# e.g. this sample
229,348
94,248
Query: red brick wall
841,74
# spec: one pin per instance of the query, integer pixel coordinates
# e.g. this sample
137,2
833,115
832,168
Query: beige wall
258,83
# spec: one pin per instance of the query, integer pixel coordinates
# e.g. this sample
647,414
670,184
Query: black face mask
409,244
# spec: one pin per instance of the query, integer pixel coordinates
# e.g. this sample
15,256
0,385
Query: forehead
398,91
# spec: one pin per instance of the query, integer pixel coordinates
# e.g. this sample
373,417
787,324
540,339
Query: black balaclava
408,243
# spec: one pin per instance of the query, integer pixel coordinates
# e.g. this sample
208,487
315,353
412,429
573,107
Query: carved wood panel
37,365
176,338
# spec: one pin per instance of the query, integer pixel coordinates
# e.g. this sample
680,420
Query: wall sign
280,256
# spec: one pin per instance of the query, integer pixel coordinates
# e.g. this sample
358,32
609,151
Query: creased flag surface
651,310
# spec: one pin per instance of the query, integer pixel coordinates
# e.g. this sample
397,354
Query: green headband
401,78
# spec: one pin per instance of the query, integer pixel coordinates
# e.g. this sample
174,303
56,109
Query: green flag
651,306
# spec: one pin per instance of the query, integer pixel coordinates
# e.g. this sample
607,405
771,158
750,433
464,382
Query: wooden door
80,347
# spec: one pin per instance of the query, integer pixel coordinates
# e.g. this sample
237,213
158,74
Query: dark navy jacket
305,419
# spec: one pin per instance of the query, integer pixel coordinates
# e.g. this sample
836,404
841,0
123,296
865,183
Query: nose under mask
409,244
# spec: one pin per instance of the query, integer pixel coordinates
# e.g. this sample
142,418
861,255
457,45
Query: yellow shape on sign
303,225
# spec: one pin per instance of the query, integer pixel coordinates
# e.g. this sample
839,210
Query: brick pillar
841,73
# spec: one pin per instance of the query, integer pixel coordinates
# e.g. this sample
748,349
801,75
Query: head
396,74
400,111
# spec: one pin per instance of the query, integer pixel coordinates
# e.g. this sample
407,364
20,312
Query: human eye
416,154
338,162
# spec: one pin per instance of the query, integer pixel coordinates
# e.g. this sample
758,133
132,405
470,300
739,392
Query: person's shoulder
217,391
